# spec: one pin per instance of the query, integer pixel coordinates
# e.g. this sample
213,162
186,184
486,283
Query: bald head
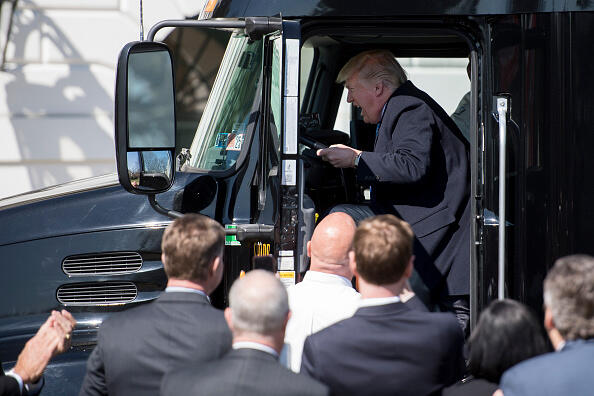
258,303
330,245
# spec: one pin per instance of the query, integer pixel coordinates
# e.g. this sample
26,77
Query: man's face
363,94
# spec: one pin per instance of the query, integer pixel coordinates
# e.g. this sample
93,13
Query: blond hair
374,66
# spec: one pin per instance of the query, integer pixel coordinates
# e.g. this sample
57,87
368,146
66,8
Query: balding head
258,305
330,245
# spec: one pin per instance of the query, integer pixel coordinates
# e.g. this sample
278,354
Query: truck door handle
251,232
502,106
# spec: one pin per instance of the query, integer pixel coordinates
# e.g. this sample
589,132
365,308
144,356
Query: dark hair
506,334
189,245
383,248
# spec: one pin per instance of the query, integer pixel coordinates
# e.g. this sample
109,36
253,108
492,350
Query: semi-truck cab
250,161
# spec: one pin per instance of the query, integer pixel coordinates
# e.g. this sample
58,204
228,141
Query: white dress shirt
374,302
181,289
317,302
255,345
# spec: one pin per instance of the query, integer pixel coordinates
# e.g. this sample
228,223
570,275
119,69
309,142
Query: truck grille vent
102,264
97,293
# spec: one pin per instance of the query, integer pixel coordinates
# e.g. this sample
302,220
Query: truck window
222,132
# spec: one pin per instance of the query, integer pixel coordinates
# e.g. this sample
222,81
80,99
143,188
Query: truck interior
326,117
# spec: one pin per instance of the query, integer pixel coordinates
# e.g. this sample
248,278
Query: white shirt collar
317,276
255,345
372,302
182,289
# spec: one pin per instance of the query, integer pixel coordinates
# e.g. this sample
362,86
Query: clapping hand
52,338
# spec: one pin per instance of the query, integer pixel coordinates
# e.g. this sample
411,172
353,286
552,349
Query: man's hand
65,322
53,337
339,155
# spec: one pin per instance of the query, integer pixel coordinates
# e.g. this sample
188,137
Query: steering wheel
311,143
315,146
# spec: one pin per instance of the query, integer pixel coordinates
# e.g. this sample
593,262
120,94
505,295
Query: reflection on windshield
222,131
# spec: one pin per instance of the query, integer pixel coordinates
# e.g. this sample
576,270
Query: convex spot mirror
145,118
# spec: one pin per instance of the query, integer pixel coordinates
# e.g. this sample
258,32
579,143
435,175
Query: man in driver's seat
418,170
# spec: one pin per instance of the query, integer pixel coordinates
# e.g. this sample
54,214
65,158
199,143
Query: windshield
221,134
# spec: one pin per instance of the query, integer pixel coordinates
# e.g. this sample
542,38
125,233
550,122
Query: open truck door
242,166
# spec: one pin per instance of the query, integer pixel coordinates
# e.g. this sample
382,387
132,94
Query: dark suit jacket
387,350
8,385
242,372
471,387
567,372
419,170
415,303
136,347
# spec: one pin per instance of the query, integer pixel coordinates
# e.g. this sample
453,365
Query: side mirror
145,118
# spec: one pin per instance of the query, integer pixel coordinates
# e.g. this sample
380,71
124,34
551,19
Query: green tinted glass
222,132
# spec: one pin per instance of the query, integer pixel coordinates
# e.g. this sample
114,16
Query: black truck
249,162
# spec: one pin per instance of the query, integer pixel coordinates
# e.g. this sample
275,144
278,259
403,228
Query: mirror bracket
256,27
155,205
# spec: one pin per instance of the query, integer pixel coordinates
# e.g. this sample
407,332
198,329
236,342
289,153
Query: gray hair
569,294
259,303
374,66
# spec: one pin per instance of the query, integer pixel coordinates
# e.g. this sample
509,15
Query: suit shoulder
528,374
168,311
403,102
444,319
531,366
448,322
299,383
117,319
439,325
340,327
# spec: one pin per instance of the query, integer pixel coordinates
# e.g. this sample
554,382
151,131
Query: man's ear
214,267
228,318
379,88
309,249
549,322
353,263
287,319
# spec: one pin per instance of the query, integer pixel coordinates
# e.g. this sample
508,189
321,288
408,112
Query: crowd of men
377,340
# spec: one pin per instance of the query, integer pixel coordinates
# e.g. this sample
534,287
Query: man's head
371,77
258,308
331,243
383,250
569,297
192,249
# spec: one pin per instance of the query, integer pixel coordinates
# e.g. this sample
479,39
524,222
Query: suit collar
409,89
404,89
323,277
249,353
183,296
381,310
180,289
574,344
255,345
